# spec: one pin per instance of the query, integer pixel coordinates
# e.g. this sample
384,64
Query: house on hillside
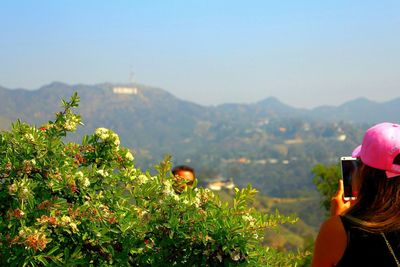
218,185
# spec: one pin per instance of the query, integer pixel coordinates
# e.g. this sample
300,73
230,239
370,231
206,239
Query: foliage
64,203
326,179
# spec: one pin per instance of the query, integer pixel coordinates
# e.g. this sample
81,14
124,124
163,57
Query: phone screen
349,167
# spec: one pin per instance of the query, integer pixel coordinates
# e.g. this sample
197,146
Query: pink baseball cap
380,146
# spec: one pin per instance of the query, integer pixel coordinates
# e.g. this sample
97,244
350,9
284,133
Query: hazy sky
306,53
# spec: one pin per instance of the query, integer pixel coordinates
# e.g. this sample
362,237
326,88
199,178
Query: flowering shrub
86,204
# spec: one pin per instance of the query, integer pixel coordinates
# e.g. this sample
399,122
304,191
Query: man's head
183,172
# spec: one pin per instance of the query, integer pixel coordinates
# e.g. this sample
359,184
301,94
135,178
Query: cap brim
356,152
391,174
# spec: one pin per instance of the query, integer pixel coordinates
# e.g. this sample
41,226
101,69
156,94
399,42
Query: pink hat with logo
380,146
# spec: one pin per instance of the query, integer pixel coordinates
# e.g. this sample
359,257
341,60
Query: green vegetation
70,204
326,178
288,237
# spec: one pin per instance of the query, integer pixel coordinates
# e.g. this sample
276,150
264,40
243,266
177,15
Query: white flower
74,227
196,201
79,175
129,156
83,180
115,137
102,133
66,219
219,257
102,173
30,137
71,123
86,182
168,190
21,232
142,179
249,219
108,136
235,256
168,183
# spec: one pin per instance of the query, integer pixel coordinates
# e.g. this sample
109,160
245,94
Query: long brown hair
378,202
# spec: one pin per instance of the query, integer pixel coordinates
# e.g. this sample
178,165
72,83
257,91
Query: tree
326,178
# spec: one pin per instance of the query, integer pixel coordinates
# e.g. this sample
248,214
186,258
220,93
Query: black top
368,249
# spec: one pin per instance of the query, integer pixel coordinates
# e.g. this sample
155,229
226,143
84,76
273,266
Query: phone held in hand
349,166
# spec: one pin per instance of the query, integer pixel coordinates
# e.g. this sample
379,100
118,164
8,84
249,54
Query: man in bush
184,177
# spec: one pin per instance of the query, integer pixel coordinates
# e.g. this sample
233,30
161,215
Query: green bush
69,204
326,178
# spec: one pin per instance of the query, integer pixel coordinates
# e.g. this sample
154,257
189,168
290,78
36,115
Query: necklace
391,250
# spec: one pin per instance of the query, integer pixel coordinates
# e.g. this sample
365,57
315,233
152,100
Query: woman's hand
332,238
338,204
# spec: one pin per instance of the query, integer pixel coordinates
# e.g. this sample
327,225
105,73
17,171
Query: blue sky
306,53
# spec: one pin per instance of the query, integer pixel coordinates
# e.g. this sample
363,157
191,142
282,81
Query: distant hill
19,101
361,110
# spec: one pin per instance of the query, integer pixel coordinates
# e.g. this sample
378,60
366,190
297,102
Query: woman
366,232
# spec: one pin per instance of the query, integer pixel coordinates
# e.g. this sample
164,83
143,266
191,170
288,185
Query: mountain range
15,102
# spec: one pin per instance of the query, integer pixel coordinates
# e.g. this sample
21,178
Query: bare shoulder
333,225
331,243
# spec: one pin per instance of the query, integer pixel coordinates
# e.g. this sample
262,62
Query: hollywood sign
125,90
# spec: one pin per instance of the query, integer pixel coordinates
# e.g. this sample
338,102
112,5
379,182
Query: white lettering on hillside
125,90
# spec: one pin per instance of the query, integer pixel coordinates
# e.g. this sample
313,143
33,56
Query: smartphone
349,166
